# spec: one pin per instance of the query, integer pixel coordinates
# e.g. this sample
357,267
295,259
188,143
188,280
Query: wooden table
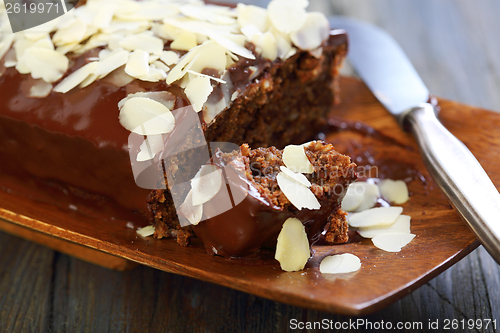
455,47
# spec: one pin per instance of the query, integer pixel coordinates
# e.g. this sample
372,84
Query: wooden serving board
442,237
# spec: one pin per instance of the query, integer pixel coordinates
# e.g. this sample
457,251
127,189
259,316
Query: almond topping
392,242
339,264
292,249
381,216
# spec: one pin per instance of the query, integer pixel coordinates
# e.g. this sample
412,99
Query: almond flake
206,184
164,97
395,191
74,32
375,217
353,197
292,248
45,64
340,264
402,225
145,116
392,242
209,55
197,91
150,147
118,77
287,15
88,81
370,194
161,65
297,176
185,41
6,43
150,44
169,57
295,159
207,76
154,75
192,212
253,15
146,231
250,32
182,66
111,62
75,78
312,33
298,194
267,44
137,64
230,45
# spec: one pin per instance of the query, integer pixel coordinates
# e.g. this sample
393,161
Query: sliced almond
297,176
371,194
5,44
252,15
185,41
287,15
192,212
169,57
161,65
229,44
267,43
146,231
392,242
75,78
197,91
182,66
339,264
395,191
145,42
292,249
138,63
146,117
353,197
402,225
154,75
206,184
380,216
71,34
298,194
150,147
45,64
295,159
111,62
209,55
312,33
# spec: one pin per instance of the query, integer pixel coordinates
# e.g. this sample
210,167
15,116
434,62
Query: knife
386,70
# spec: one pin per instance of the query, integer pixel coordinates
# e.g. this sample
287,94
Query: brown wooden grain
442,238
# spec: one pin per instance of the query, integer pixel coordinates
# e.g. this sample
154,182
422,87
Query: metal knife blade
383,65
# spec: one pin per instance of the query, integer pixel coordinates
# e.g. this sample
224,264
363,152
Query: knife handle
459,175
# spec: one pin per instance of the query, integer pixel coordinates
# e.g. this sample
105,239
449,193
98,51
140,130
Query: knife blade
386,70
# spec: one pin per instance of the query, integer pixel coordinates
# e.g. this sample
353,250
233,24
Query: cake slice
253,192
250,76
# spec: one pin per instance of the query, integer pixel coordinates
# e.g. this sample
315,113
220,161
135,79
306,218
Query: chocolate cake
75,90
259,204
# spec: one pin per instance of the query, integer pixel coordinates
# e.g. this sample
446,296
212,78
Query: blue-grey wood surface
455,46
